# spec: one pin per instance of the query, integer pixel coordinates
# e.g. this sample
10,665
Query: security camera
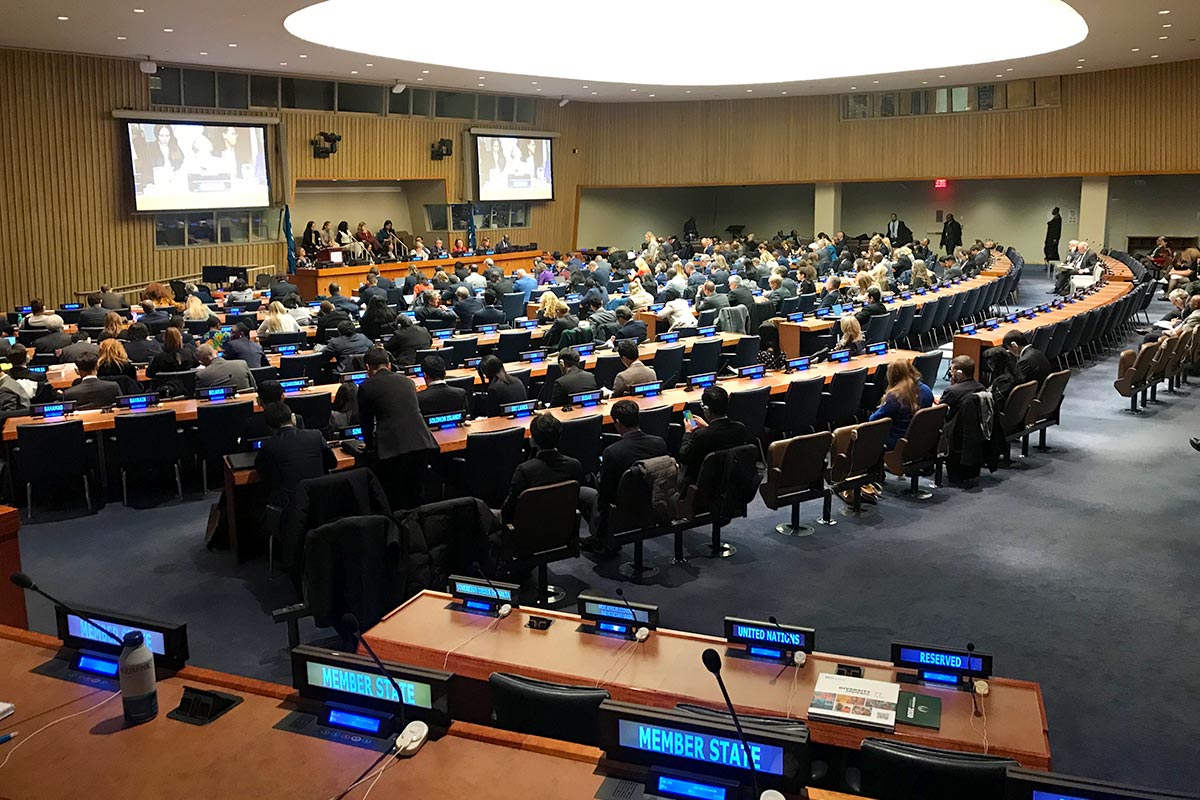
148,67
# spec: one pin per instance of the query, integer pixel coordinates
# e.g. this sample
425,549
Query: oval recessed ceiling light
1081,60
874,81
283,63
924,83
852,88
302,55
595,93
370,65
479,84
1161,38
688,91
168,30
139,11
1010,69
353,72
633,90
748,91
941,76
420,79
1017,29
424,72
1078,67
63,19
650,95
120,38
1154,56
1168,25
539,88
783,92
1135,50
534,83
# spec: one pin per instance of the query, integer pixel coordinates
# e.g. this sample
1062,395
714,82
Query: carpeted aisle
1076,570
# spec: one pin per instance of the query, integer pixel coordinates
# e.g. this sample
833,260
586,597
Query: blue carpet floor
1076,570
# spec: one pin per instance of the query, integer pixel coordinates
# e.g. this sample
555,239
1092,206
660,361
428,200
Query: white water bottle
139,693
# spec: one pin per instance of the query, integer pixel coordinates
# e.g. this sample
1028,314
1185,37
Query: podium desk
667,669
313,282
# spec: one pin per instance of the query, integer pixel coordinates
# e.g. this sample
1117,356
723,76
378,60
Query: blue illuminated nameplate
922,290
496,591
487,328
293,385
234,310
840,356
702,380
651,389
351,432
584,399
445,333
473,362
286,349
354,722
823,312
906,295
137,401
70,307
489,252
694,746
991,324
24,309
656,306
226,329
669,337
573,297
40,370
413,371
527,323
442,421
1044,308
522,408
368,684
1030,313
705,331
82,629
97,666
798,364
612,627
417,258
877,349
1011,317
935,288
941,664
220,393
601,609
354,377
753,371
256,444
534,356
753,633
52,410
795,316
968,330
584,350
686,789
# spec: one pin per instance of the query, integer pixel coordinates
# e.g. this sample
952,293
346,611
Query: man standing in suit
111,301
394,431
1032,364
897,232
290,455
1053,235
573,380
547,466
712,432
710,299
439,397
222,371
94,315
90,391
635,371
739,295
951,234
873,308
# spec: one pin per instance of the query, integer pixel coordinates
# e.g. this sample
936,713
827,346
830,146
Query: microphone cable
25,739
626,649
490,627
791,694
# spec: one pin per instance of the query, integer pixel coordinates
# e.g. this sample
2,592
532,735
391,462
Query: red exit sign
939,183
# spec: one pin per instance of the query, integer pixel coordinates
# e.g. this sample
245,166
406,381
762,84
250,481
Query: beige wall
337,202
1152,205
1013,212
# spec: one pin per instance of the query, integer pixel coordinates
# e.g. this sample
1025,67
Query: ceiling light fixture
595,93
424,72
689,91
563,103
302,55
1154,56
398,88
783,92
63,19
1162,37
120,38
1168,25
203,52
283,63
353,72
1135,50
168,30
534,83
1010,69
479,84
139,11
874,81
231,44
370,65
1081,60
1165,11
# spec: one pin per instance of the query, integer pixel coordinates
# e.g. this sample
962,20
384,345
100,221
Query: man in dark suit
466,306
151,315
111,301
628,327
897,232
90,391
873,308
1053,236
710,433
81,344
240,347
709,298
290,455
962,383
439,397
951,234
1081,262
399,440
140,348
833,292
55,340
93,316
546,467
341,302
371,289
491,313
280,288
739,295
1032,364
328,318
18,355
500,284
634,445
778,293
222,371
347,344
407,340
573,381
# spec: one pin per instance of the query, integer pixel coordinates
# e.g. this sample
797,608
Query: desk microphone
641,634
415,732
799,657
25,582
505,608
712,663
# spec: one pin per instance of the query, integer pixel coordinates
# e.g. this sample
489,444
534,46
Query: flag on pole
471,228
287,237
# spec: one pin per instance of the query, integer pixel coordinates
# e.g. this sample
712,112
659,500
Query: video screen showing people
185,166
514,168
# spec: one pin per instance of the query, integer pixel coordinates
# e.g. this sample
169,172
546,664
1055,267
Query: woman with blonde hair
114,361
195,309
639,299
920,276
862,284
278,321
114,326
550,308
852,336
880,277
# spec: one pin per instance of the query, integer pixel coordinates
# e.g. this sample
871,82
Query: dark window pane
360,97
437,217
525,109
232,90
264,91
519,213
168,91
300,93
459,105
400,103
169,230
234,226
487,106
505,108
458,216
421,101
200,228
199,88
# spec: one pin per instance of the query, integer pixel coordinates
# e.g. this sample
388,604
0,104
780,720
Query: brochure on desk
855,701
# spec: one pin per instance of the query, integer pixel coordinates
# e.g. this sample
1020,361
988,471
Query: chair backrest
267,373
582,439
941,311
746,351
196,327
492,458
1041,337
308,365
929,364
146,439
656,421
513,304
879,327
707,317
705,356
183,381
51,451
1058,339
287,337
858,449
789,305
314,408
903,322
546,522
512,344
1049,398
920,443
796,464
806,302
749,407
458,349
555,711
219,426
727,482
900,771
846,390
1012,417
606,369
29,336
668,364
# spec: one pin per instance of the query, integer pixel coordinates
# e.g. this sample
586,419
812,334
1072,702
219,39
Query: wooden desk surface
667,669
312,282
12,599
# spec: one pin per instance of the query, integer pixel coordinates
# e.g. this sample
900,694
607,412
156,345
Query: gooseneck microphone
350,625
640,633
712,662
23,581
504,609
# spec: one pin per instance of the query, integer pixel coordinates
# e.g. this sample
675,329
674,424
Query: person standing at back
951,234
1053,236
395,433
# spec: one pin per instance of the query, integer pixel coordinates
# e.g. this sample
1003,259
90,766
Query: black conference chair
668,364
147,442
488,464
581,439
656,421
308,365
260,374
513,304
511,344
196,327
176,384
606,369
285,337
458,349
873,391
796,413
545,528
314,407
839,406
749,407
903,323
552,710
795,473
53,453
705,357
29,336
929,364
218,430
745,352
879,327
43,359
891,770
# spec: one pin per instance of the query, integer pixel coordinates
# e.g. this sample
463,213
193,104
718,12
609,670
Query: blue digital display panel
293,385
522,408
97,666
939,677
445,420
702,380
677,787
836,308
367,684
475,605
752,371
668,337
616,612
533,356
445,333
234,310
840,356
795,316
657,306
24,309
968,329
527,323
78,626
287,349
585,399
746,634
220,392
610,627
706,330
137,400
763,652
702,747
471,363
1011,317
70,307
584,350
651,389
912,656
1040,795
354,377
50,410
877,349
487,328
355,722
801,363
478,590
352,432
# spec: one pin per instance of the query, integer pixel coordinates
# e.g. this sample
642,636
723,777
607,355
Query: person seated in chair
140,348
573,380
708,433
54,341
628,327
290,455
491,313
873,308
439,397
239,347
962,383
635,371
151,315
347,344
1032,364
547,466
90,391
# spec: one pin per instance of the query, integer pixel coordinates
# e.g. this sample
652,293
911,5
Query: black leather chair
839,406
308,365
582,439
488,464
749,407
268,373
724,487
147,442
511,344
184,381
928,364
218,430
53,453
458,349
552,710
285,337
796,413
918,450
745,352
545,528
29,336
668,364
795,473
314,407
606,369
704,357
513,304
890,770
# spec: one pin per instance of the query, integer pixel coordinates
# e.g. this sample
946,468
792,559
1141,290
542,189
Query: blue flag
287,237
471,228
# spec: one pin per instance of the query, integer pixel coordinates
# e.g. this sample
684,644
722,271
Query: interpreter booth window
960,99
486,107
233,227
264,91
858,106
919,103
455,105
201,229
170,230
361,98
311,95
400,103
207,228
438,217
